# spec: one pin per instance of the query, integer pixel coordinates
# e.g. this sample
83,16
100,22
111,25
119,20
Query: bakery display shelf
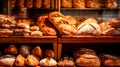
85,39
63,9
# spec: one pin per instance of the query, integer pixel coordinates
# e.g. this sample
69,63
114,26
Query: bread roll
48,62
86,58
66,3
34,28
111,3
6,32
29,3
66,62
20,3
37,3
23,23
32,60
89,27
114,22
25,50
36,33
46,3
37,51
11,49
49,53
19,61
12,3
79,4
110,60
7,60
93,4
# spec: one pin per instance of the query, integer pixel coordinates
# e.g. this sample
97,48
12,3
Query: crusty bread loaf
37,51
66,3
111,3
93,4
49,53
89,27
46,3
19,61
110,60
37,3
79,3
87,58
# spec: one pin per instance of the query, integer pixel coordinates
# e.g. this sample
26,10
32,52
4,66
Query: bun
86,57
66,3
79,3
110,60
89,27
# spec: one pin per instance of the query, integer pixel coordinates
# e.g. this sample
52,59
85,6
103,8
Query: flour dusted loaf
86,57
89,27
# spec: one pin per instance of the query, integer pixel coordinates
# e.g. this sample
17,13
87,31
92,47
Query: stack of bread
13,56
7,25
86,58
111,27
65,25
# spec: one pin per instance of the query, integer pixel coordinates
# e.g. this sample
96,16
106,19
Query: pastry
111,3
48,62
32,60
46,3
20,60
66,3
20,3
79,4
7,60
110,60
92,4
86,57
66,62
89,27
37,3
37,51
49,53
25,50
29,3
11,49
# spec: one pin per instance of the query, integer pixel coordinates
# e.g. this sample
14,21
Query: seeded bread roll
66,3
79,4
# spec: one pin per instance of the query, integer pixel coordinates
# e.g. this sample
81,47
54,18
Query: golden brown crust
46,3
79,3
19,61
29,3
49,53
111,3
66,3
37,3
20,3
37,51
92,4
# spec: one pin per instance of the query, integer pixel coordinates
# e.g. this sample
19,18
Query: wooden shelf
74,9
85,39
31,39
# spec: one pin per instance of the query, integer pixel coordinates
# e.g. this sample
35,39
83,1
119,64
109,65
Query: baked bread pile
87,58
26,55
62,23
7,25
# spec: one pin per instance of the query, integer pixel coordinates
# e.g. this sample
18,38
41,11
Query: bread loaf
37,51
19,61
46,3
79,4
110,60
86,57
49,53
89,27
111,3
37,3
29,3
12,3
25,50
66,3
93,4
20,3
